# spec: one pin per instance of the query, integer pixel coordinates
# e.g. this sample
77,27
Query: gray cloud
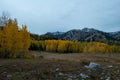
52,15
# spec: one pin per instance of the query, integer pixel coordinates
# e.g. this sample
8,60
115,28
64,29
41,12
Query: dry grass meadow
58,66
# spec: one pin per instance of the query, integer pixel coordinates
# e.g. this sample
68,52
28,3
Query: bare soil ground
58,66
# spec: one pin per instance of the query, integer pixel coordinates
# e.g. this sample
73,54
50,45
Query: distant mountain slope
87,35
54,34
116,35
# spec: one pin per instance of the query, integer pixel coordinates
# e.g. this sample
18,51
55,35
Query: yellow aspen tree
7,43
53,45
25,38
1,33
43,45
16,40
11,40
47,43
62,46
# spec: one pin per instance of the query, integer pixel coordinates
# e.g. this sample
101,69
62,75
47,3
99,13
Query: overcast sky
43,16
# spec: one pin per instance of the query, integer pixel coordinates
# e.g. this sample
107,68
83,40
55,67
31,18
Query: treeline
64,46
14,41
42,37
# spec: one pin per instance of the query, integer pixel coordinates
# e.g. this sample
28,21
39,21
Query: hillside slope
87,35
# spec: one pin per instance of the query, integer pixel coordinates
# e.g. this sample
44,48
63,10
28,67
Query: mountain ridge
86,35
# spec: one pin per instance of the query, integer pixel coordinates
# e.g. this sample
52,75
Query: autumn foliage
64,46
14,41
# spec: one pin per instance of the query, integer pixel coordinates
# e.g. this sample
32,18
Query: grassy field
79,57
54,66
